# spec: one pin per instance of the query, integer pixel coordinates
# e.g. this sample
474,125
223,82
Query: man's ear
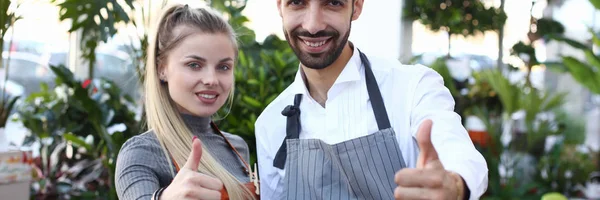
358,6
279,7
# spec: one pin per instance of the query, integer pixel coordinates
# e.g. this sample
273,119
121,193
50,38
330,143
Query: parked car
112,64
28,70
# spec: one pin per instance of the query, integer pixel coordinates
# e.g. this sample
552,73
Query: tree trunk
449,44
500,63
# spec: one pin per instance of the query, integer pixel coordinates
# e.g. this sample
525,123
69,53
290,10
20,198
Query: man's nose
313,20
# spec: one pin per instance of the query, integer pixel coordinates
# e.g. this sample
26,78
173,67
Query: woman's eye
224,67
193,65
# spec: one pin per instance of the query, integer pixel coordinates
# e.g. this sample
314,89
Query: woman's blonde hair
162,114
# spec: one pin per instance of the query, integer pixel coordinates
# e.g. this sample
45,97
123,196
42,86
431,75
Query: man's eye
295,2
336,3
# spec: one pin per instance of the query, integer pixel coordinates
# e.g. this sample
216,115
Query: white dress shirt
411,94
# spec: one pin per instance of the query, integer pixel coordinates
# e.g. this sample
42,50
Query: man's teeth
208,96
314,44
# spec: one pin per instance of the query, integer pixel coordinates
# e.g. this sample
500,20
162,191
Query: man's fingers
193,160
411,177
417,193
427,152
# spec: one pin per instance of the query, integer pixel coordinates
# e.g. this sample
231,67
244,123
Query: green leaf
508,93
239,21
547,26
583,73
252,82
77,141
593,59
570,42
555,101
558,67
596,3
595,36
253,102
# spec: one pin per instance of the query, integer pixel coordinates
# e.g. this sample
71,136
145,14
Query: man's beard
319,60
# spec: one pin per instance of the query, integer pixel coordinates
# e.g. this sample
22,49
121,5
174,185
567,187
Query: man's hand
429,180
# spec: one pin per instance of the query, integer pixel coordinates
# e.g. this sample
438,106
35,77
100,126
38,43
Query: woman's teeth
207,96
314,44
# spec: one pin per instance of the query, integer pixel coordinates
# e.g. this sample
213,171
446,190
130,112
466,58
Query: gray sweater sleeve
141,168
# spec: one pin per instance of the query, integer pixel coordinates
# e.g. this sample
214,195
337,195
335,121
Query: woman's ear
162,73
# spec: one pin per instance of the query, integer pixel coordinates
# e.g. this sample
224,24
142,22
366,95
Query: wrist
461,187
158,193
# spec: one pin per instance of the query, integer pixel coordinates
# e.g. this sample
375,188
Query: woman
189,77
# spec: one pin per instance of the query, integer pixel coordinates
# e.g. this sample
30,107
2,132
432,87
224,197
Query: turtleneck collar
198,125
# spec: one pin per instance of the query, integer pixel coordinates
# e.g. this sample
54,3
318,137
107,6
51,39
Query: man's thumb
193,160
427,152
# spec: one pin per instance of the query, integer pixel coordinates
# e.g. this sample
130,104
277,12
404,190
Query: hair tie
186,6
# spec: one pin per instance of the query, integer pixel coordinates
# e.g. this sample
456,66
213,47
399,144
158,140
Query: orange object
480,137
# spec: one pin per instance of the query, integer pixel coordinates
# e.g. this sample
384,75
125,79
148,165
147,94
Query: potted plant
7,19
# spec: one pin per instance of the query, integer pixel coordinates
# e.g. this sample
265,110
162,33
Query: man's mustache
323,33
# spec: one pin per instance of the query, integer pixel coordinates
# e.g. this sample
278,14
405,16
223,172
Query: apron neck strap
292,112
381,116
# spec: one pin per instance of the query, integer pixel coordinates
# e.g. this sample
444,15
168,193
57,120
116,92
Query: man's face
318,30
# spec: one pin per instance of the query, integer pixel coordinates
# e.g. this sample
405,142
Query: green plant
7,19
529,170
563,168
457,17
586,72
96,20
525,50
80,114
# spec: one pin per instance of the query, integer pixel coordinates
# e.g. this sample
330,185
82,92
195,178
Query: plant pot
3,140
477,131
15,175
481,138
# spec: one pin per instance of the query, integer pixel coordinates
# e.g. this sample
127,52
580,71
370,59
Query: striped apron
361,168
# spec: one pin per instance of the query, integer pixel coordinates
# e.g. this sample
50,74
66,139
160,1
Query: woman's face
199,73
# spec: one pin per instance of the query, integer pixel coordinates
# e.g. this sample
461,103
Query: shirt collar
350,73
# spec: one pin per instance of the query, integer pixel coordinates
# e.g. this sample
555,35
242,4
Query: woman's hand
191,184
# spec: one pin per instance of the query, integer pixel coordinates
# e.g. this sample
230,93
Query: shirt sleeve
134,179
268,178
455,149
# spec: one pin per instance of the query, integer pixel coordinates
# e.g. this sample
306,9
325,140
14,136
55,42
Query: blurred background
525,75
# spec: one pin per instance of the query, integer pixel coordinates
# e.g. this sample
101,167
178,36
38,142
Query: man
354,126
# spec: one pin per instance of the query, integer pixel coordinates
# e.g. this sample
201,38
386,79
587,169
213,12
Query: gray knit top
142,167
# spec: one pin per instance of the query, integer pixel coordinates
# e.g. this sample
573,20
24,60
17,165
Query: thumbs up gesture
429,180
191,184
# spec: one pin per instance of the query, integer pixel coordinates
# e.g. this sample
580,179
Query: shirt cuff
467,190
475,179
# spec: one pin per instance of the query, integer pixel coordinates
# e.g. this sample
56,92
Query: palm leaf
570,42
509,94
583,73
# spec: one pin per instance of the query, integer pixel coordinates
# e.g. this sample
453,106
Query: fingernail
194,138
